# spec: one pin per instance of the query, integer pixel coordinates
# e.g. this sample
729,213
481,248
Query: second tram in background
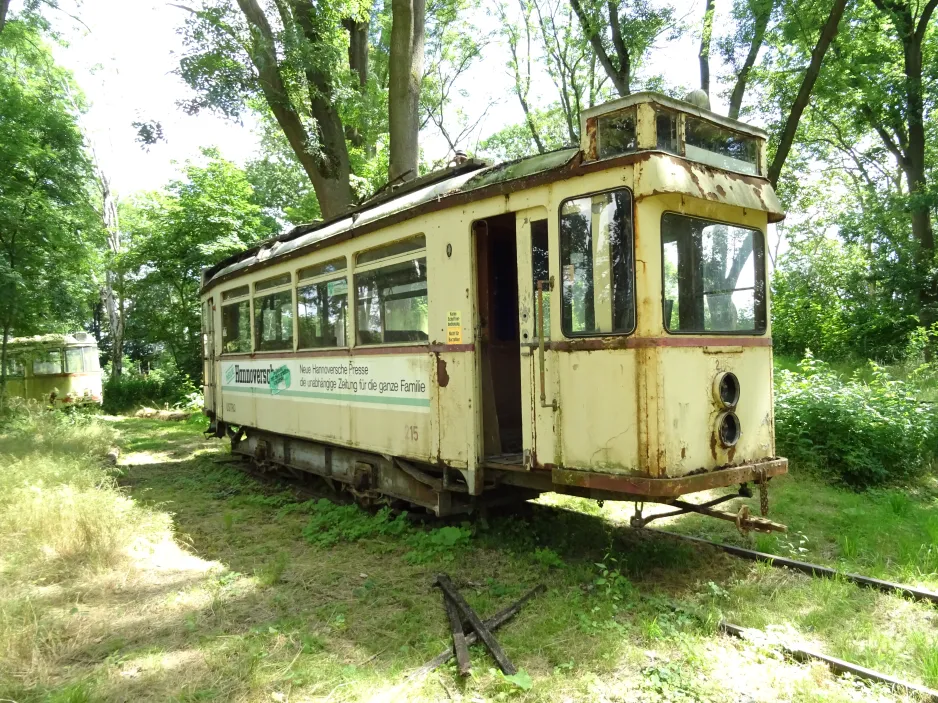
590,321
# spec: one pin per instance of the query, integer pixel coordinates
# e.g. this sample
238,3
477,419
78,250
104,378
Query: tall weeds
61,510
860,432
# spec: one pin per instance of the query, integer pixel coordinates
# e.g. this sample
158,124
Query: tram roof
51,340
476,179
472,176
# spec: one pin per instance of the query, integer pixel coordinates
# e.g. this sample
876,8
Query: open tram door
517,397
208,355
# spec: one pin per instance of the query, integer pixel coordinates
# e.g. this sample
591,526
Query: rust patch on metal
631,342
683,452
713,445
721,190
442,377
731,453
669,487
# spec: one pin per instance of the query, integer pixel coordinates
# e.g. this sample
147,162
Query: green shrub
159,387
862,433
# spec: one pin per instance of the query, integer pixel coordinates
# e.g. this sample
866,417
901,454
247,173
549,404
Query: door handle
540,343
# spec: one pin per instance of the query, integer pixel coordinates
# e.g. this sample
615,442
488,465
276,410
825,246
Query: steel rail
815,570
838,666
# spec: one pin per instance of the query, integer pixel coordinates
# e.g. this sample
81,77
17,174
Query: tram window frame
631,308
319,277
92,359
237,298
16,365
400,252
43,356
273,288
74,352
760,304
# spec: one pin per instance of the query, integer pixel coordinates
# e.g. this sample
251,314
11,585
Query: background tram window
540,266
714,276
596,264
391,303
236,327
15,366
92,362
321,309
47,362
273,321
73,362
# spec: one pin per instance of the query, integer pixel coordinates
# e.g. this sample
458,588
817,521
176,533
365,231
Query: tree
48,228
308,64
630,35
706,34
408,31
787,137
208,214
752,21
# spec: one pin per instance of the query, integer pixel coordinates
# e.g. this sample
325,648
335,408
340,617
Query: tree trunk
909,149
761,22
704,54
112,278
358,63
3,364
358,48
328,166
828,32
916,173
4,7
408,32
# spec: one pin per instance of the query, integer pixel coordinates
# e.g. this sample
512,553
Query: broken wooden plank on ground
504,663
459,636
493,623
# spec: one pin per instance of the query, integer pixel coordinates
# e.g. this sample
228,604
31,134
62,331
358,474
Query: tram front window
596,264
714,276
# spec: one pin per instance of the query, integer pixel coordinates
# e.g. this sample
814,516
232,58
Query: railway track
815,570
310,488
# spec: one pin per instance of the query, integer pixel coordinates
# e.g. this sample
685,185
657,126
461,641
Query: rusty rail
838,666
815,570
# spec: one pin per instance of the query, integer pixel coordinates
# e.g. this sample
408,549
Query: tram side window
92,361
596,262
540,265
321,305
15,366
47,362
73,362
273,315
714,276
236,327
391,299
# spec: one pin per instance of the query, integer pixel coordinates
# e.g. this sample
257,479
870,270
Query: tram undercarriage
375,479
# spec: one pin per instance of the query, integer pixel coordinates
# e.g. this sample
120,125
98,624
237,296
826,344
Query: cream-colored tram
590,321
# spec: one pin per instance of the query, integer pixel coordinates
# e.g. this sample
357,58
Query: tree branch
758,36
828,32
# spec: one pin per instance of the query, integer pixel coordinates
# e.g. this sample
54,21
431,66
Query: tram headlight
726,389
728,429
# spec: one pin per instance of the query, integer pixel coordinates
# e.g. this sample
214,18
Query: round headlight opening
726,387
728,429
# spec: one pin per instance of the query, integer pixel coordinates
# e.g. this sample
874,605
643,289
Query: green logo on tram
279,379
230,374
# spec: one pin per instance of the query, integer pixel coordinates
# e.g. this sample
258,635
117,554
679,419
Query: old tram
590,321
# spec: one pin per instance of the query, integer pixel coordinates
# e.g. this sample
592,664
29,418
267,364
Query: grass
204,584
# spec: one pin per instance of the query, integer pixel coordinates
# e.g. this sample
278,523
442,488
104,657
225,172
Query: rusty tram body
590,321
